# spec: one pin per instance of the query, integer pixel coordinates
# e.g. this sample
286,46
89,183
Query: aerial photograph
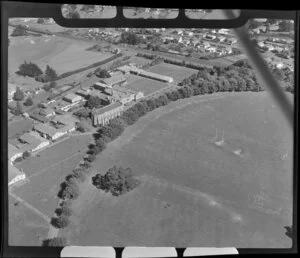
147,136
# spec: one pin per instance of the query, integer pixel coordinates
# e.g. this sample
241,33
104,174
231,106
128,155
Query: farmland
175,71
217,197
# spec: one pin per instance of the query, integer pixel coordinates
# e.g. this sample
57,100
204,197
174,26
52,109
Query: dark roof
39,118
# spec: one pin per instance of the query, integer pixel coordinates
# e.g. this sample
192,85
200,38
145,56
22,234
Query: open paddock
62,54
177,72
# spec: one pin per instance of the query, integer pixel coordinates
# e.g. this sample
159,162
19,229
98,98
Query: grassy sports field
175,71
194,193
145,85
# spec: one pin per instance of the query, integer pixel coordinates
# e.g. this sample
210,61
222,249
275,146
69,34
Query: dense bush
117,180
95,102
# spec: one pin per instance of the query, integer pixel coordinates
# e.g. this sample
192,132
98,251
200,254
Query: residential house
47,112
13,153
83,93
224,31
114,80
221,38
11,91
103,115
14,175
36,116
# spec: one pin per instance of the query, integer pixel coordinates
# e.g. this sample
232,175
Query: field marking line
27,205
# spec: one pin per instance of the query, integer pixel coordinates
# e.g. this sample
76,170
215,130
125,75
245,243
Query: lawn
19,127
145,85
25,228
53,155
52,167
175,71
215,197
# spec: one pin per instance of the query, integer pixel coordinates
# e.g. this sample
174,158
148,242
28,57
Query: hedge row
64,75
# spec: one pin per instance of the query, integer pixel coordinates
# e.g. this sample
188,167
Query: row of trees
237,77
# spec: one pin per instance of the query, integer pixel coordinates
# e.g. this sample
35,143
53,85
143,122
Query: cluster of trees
130,38
29,69
117,181
285,26
33,70
47,87
49,75
83,113
95,102
20,30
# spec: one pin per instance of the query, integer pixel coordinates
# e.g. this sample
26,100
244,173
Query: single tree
50,73
28,102
18,109
60,222
19,94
